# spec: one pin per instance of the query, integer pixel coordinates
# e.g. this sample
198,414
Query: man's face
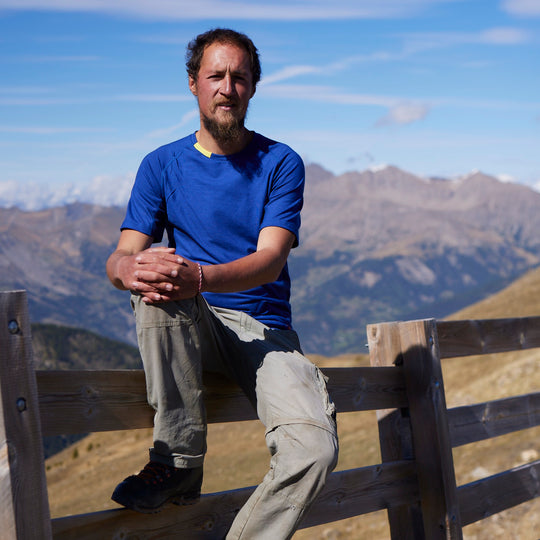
223,88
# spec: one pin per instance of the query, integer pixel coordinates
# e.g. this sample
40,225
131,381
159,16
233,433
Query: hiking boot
158,484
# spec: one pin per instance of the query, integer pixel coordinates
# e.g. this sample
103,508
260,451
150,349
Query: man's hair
197,46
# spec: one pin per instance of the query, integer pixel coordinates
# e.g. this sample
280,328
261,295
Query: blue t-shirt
214,206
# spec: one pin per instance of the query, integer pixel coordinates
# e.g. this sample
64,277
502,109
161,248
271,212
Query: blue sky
435,87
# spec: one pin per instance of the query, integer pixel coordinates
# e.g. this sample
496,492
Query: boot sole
182,500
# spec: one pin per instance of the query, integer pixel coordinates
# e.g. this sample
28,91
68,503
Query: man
218,298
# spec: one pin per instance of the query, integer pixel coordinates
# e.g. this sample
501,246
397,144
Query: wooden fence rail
415,482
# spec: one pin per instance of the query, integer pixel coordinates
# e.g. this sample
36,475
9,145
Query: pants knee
304,457
309,448
326,453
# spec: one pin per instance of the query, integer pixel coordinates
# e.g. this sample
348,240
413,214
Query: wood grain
24,512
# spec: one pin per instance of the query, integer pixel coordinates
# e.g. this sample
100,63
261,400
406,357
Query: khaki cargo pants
177,341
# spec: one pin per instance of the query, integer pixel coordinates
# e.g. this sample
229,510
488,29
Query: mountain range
374,245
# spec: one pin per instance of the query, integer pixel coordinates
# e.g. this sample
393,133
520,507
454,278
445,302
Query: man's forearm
251,271
113,270
262,266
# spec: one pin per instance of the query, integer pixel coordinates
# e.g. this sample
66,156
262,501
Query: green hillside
63,347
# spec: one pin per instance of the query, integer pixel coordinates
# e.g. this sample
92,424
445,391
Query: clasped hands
158,274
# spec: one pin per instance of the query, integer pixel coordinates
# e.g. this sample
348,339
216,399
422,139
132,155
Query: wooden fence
415,482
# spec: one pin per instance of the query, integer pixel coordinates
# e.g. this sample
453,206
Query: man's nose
227,88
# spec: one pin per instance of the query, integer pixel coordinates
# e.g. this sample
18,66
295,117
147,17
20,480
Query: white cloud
165,132
108,190
32,195
48,130
404,113
217,9
343,64
103,190
56,58
30,101
154,98
504,36
15,100
399,112
413,44
290,72
426,41
528,8
326,94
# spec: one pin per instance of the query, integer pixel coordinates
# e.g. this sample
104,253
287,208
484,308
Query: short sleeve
286,195
146,207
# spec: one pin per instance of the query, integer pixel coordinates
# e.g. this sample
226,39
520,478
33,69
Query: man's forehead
218,49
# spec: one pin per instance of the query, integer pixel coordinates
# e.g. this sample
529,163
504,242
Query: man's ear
193,85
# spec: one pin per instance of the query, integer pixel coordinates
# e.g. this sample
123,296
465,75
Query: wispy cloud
165,132
217,9
106,190
528,8
504,36
290,72
400,112
326,94
34,100
11,101
404,113
413,43
155,98
48,130
37,59
330,94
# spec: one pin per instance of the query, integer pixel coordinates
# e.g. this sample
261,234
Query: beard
230,130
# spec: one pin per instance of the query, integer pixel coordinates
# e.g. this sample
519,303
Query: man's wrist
201,278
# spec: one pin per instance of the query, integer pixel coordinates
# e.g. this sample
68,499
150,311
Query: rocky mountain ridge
376,245
385,245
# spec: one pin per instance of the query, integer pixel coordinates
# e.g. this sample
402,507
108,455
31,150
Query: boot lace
154,473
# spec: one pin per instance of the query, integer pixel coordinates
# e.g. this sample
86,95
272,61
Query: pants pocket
329,406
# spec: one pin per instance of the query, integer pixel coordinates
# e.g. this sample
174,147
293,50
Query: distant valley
374,246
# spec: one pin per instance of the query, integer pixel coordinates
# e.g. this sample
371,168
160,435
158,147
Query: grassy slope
82,477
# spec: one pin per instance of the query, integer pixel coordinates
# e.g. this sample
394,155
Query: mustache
227,103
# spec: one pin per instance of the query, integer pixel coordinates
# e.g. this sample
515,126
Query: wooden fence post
24,507
394,429
430,431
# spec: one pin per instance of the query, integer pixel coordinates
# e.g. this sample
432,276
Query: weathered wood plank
430,433
466,338
208,519
482,421
483,498
86,401
347,493
24,508
394,429
366,388
367,489
89,401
